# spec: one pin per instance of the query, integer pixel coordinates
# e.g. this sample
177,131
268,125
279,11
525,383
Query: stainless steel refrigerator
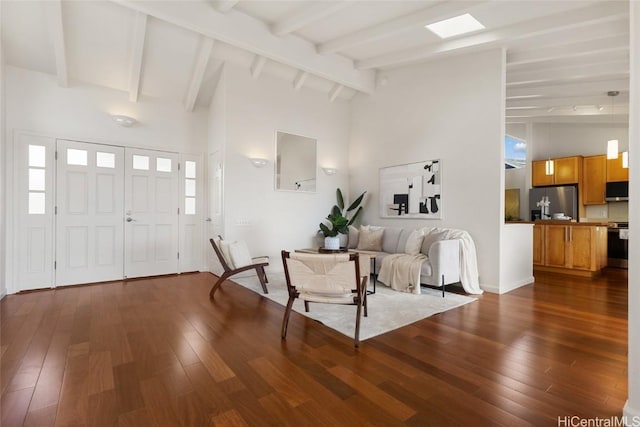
562,199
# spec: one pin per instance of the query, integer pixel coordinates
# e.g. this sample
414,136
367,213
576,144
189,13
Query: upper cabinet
566,170
594,179
615,171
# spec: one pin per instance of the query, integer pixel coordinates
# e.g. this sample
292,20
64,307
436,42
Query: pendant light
548,167
612,144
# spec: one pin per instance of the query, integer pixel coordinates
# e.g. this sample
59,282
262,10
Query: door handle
208,219
129,219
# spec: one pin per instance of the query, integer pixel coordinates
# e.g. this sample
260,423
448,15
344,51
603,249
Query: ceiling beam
245,32
568,89
603,12
335,91
56,31
407,22
534,103
591,47
582,72
257,66
298,82
197,75
307,15
137,49
224,6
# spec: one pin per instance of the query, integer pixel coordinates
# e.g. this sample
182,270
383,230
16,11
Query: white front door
151,213
89,203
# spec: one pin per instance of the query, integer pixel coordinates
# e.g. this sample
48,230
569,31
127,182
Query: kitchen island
576,248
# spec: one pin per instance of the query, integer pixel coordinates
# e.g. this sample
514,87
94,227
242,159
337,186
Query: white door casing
33,210
151,213
90,207
190,213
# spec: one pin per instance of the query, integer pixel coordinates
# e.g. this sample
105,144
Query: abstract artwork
413,190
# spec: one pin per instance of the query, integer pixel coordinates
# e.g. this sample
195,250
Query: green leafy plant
340,218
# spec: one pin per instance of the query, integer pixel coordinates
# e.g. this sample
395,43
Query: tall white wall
453,110
270,220
632,407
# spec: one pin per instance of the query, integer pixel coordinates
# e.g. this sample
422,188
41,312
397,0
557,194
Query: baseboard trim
517,284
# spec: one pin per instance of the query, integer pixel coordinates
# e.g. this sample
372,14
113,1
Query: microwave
617,191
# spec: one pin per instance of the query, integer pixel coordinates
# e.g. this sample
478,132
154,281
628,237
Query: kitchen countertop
562,222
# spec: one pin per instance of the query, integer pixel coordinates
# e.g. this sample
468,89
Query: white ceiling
563,56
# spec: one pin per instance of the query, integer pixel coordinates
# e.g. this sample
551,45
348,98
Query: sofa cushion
432,237
370,240
414,242
390,239
402,241
354,234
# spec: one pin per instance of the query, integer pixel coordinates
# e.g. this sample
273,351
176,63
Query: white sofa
446,250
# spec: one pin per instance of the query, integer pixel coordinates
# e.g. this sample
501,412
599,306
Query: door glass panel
37,155
190,187
105,160
141,162
190,169
190,206
36,179
76,157
163,165
36,203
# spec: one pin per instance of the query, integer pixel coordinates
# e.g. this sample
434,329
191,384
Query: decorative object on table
339,221
543,204
413,190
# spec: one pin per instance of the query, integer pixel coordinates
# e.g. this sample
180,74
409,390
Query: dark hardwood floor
159,352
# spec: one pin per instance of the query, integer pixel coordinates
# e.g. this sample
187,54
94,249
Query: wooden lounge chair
257,264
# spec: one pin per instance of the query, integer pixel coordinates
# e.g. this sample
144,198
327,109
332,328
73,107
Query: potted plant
339,220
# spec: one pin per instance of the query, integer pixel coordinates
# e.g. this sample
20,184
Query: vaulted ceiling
563,56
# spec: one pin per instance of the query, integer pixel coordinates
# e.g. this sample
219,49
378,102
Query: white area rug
388,309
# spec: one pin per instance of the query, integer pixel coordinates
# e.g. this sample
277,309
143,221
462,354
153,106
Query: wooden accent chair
257,264
326,278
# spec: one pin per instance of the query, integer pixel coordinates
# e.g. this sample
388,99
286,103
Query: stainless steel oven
618,245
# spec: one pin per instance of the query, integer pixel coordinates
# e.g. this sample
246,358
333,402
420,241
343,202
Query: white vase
332,242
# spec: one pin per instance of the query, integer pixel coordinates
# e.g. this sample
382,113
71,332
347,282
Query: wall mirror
295,162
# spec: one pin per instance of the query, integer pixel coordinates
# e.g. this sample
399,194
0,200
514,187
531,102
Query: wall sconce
122,120
548,167
625,159
258,162
330,171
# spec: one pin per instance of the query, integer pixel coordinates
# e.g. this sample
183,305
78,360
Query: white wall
516,266
632,407
571,139
35,102
3,200
453,110
270,220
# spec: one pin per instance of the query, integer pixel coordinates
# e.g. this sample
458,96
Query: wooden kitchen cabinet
570,248
567,170
538,244
594,180
615,171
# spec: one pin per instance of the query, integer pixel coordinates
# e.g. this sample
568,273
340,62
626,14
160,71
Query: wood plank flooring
158,352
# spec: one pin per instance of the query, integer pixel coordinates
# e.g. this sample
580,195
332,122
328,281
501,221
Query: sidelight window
36,186
190,188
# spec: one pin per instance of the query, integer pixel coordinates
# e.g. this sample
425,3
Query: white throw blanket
402,272
469,276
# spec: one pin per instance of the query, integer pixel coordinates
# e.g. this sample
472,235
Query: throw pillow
224,248
239,254
353,237
370,240
414,242
432,237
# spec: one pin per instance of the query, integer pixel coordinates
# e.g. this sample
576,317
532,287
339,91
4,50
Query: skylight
454,26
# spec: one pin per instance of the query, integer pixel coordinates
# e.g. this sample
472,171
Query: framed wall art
413,190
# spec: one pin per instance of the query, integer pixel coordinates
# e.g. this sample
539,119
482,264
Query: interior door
89,204
151,213
214,219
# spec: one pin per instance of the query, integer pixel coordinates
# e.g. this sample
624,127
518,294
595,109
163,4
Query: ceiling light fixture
612,144
123,120
457,25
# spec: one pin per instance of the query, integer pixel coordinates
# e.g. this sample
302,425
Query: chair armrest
444,256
